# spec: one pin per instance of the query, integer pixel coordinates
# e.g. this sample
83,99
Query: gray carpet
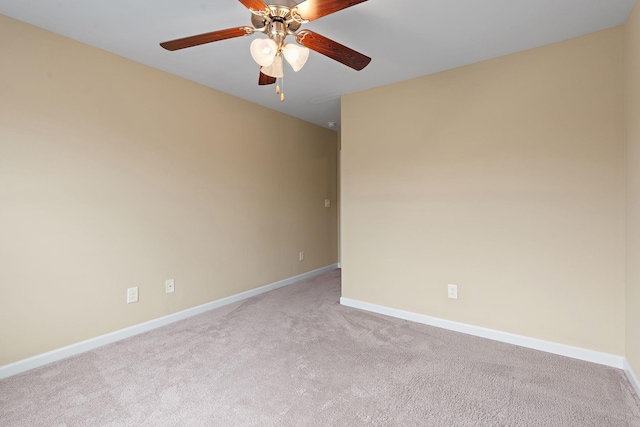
295,357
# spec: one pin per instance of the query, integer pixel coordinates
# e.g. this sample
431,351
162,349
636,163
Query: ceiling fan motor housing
276,21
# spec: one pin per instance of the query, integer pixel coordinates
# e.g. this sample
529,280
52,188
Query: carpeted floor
295,357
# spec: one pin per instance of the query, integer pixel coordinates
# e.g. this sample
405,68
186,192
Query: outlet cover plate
452,291
132,295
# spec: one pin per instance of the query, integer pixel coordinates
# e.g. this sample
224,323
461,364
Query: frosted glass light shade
263,51
295,55
275,69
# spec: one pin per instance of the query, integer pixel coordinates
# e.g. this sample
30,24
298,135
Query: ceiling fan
279,19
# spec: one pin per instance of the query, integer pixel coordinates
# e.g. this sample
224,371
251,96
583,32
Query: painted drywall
114,175
506,178
338,207
632,44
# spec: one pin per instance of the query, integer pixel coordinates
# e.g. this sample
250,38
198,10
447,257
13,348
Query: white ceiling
406,39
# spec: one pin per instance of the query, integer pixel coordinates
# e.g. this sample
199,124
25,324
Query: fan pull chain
282,91
279,90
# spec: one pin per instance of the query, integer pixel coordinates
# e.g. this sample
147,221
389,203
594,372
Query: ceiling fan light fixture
278,21
275,69
263,51
295,55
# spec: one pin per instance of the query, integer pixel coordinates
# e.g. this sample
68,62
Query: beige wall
114,175
633,188
504,177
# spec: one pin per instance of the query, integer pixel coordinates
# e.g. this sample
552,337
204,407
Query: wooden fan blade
314,9
333,50
265,80
254,4
215,36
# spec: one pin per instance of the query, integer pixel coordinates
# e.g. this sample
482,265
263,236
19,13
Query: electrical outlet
132,295
301,256
327,203
452,291
169,286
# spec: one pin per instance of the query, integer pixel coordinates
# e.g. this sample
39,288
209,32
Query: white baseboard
506,337
93,343
632,377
